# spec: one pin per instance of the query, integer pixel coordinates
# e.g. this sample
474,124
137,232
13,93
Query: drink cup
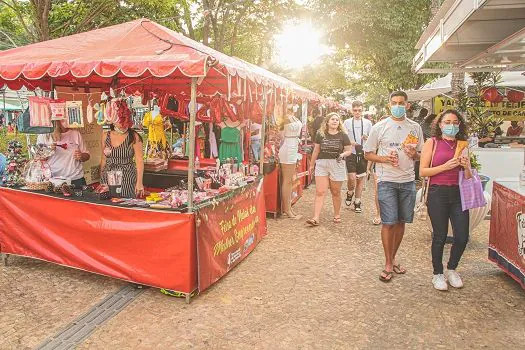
393,152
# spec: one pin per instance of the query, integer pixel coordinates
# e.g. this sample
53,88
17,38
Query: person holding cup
70,153
442,158
393,144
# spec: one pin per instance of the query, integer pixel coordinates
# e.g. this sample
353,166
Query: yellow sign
505,110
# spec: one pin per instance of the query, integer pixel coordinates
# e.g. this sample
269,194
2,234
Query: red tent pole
191,139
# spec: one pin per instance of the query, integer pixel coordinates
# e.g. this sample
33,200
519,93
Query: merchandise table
507,229
184,252
272,186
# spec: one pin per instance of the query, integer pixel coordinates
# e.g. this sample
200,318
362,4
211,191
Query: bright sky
299,45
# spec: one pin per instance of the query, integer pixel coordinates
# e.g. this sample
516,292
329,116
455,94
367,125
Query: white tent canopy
475,34
444,85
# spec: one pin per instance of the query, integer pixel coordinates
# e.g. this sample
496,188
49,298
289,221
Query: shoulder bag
420,210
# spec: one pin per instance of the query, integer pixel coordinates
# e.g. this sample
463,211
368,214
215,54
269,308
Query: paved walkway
302,288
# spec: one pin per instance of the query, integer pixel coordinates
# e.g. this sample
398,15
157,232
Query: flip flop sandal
337,220
388,277
312,222
348,200
399,270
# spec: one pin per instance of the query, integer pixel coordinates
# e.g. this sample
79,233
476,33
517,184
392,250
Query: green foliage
481,121
378,39
474,163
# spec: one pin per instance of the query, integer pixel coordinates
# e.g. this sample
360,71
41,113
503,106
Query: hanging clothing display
74,114
39,111
58,109
230,144
89,112
158,144
214,152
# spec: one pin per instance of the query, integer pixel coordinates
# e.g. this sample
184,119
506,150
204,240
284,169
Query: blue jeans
396,202
444,204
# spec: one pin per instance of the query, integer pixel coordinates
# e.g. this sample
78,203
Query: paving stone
302,288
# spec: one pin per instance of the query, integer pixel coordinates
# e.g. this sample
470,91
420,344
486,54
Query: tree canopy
373,40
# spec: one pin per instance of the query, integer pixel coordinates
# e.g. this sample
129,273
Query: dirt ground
302,288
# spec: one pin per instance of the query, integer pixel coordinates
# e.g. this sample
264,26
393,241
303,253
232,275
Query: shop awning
444,85
10,107
463,30
129,51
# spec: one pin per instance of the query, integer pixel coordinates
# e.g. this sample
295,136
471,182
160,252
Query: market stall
184,236
507,229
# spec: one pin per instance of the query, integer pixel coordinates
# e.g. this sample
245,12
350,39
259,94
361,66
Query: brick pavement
302,288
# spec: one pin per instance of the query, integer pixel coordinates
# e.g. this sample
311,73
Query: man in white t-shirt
358,129
394,145
70,153
255,140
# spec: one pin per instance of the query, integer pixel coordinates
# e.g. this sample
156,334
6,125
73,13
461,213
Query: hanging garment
156,135
100,115
75,115
40,111
89,112
214,153
121,158
58,109
230,144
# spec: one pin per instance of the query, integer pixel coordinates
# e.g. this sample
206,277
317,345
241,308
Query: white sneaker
453,278
439,282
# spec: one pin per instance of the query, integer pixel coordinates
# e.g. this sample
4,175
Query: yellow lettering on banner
238,235
505,110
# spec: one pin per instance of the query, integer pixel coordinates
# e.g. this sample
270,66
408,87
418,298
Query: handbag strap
427,179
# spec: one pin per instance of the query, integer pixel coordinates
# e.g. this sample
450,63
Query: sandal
399,270
376,221
349,197
387,276
312,222
337,220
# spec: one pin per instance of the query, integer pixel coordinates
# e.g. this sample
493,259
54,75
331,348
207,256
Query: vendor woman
122,150
70,153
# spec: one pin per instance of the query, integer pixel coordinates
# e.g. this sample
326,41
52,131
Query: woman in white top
288,157
70,153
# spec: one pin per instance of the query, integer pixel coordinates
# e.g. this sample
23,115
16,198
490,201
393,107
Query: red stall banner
507,232
228,231
144,246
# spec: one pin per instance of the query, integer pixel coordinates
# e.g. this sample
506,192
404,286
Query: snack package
461,146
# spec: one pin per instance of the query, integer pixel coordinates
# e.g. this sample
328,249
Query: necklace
120,131
448,144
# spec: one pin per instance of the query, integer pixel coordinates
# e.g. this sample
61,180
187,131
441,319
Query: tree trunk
434,7
41,9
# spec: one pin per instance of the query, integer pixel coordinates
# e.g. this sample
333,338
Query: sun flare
299,45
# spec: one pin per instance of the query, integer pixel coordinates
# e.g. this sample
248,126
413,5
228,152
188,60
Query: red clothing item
514,131
445,151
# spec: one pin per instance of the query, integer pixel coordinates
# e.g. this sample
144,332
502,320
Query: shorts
355,167
396,202
332,168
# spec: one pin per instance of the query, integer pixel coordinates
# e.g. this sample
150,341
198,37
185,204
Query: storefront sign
228,232
505,110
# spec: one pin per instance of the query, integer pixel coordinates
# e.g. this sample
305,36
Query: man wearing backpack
358,129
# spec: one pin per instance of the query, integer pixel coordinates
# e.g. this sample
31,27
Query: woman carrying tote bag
442,160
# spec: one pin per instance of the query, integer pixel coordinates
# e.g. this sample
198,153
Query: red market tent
128,52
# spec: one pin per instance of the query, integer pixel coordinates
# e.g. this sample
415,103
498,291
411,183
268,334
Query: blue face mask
398,111
450,130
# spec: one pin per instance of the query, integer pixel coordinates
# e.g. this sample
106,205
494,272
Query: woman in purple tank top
441,165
